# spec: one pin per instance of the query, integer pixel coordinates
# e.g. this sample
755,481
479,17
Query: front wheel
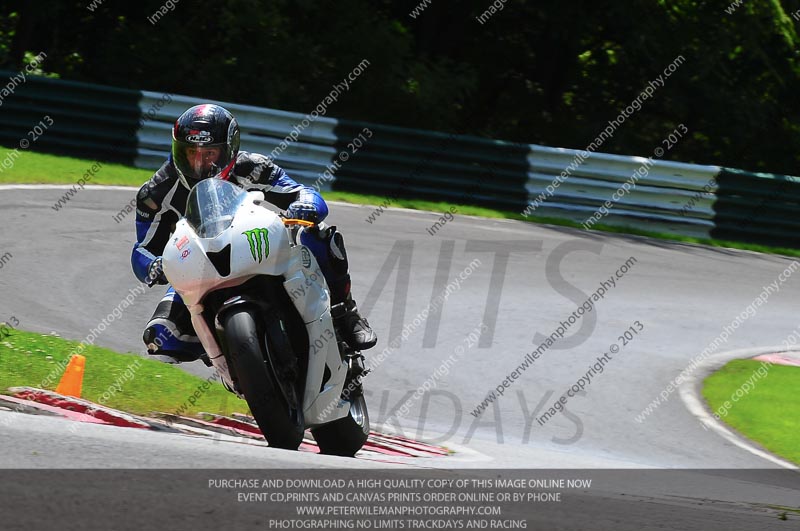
281,423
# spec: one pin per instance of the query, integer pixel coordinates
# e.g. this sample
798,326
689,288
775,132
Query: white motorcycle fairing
258,243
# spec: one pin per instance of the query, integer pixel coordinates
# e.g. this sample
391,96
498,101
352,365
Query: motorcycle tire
347,435
281,423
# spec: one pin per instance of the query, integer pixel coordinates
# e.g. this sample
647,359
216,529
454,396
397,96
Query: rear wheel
280,419
347,435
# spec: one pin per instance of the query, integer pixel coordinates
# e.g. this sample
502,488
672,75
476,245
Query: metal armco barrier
666,196
89,121
263,130
133,127
385,160
757,207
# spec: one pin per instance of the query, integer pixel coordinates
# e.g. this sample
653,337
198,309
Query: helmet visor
199,161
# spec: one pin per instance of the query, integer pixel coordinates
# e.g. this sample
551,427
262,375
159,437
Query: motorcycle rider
205,145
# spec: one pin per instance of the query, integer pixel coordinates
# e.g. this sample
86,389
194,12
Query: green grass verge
32,168
39,168
769,413
35,360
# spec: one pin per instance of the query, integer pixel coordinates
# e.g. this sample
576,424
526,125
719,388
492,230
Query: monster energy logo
259,243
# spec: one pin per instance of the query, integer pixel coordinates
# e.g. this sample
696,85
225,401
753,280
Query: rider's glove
155,273
302,210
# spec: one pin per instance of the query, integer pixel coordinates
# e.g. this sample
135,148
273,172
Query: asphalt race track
70,269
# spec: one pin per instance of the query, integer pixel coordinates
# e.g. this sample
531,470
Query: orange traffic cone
72,380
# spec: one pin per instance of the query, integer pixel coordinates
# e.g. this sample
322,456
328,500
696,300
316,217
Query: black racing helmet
205,143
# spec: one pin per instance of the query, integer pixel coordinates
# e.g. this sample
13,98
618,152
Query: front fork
209,341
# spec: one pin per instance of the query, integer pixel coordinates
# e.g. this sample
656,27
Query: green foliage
547,72
7,29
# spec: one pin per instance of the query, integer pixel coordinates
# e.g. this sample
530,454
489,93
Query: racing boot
174,353
169,336
353,328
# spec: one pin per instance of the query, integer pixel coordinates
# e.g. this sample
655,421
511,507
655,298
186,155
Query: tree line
547,72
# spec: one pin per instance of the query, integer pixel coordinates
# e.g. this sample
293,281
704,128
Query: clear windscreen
211,206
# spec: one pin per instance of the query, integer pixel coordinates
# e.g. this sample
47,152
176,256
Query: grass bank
761,401
122,381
